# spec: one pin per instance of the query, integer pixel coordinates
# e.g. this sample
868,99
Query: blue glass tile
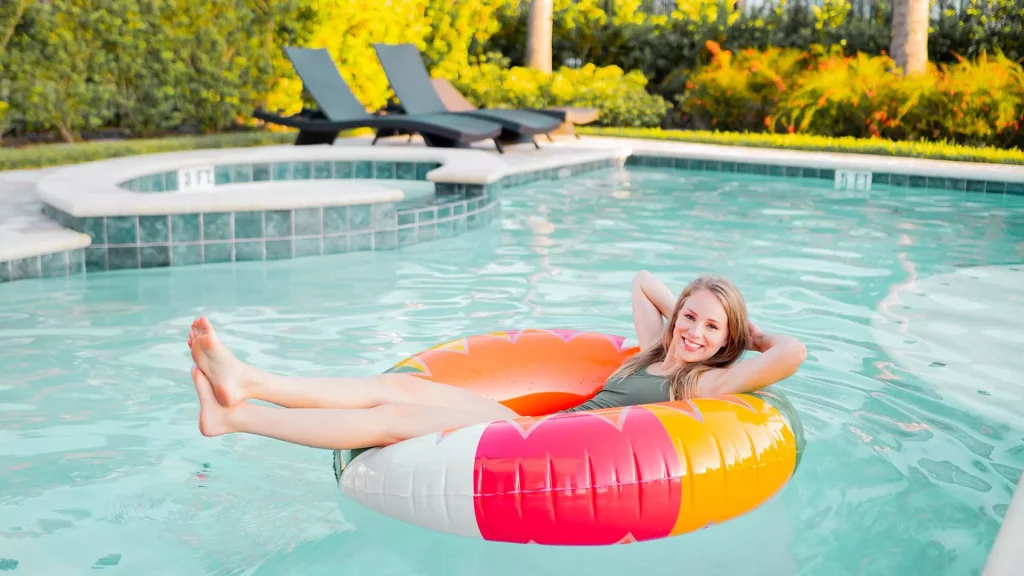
427,215
322,170
122,230
221,175
76,261
279,249
23,268
282,170
407,236
218,252
155,256
301,171
216,226
384,170
336,244
364,169
343,170
185,228
54,265
827,174
405,171
187,255
171,181
154,229
307,221
248,225
975,185
405,218
1015,188
241,173
358,217
386,240
261,172
358,242
95,259
156,182
384,216
336,219
995,187
445,229
309,246
96,229
278,223
248,251
123,258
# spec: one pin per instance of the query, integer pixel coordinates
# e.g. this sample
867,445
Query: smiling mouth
690,345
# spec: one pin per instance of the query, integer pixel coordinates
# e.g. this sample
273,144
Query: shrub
622,98
829,94
739,92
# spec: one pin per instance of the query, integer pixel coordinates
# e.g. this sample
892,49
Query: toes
203,325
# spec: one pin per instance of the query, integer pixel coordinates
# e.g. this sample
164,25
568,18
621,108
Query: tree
909,46
538,35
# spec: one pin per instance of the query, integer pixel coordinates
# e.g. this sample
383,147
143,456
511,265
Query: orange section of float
533,372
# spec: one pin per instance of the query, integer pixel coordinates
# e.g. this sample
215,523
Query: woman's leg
234,381
332,429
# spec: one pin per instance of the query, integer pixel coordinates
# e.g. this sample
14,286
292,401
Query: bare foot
213,418
229,376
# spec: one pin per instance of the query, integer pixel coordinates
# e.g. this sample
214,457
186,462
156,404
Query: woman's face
701,328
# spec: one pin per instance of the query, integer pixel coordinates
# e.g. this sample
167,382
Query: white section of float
426,481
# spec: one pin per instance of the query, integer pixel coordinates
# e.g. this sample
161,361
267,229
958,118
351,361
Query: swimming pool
907,469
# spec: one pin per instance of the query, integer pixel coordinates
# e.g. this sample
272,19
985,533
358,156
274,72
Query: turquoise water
906,471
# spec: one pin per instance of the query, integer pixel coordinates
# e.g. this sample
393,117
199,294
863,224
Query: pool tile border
250,172
147,241
879,180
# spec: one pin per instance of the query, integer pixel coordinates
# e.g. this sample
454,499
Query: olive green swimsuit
638,388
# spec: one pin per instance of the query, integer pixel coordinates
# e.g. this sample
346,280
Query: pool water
907,470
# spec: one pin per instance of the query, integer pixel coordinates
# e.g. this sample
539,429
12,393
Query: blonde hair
683,380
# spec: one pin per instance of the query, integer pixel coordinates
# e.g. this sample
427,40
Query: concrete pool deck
130,212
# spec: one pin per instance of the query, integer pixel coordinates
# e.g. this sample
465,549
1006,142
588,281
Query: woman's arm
780,358
652,301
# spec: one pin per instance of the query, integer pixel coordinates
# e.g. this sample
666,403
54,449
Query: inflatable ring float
600,477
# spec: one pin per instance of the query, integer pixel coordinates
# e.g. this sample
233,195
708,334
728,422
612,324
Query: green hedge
875,146
57,154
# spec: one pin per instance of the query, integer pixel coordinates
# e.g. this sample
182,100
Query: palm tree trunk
538,35
909,46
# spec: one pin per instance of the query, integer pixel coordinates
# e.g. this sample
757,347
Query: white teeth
691,345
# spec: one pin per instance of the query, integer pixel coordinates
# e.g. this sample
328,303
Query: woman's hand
756,337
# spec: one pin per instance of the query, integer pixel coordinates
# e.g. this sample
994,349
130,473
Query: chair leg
308,138
410,138
497,145
550,139
535,144
376,136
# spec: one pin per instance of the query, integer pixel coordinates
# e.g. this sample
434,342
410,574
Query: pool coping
1006,555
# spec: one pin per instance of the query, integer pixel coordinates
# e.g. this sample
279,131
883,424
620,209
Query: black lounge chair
412,85
569,116
340,110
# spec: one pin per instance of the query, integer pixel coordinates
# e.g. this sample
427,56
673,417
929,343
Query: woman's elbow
797,354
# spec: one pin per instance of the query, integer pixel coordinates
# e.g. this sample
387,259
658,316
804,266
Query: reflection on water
912,451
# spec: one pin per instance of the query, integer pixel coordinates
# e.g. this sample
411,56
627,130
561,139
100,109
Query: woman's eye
689,316
712,326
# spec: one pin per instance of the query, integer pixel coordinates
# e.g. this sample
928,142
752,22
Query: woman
694,355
